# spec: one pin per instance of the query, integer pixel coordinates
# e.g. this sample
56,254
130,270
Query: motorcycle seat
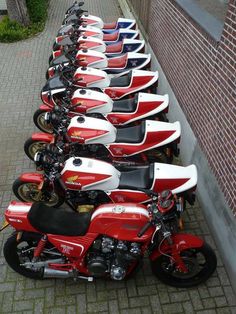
133,134
114,47
111,37
117,62
58,220
122,81
111,25
138,178
125,105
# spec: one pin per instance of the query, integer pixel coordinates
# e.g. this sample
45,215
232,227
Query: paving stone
172,308
97,307
113,307
81,303
139,301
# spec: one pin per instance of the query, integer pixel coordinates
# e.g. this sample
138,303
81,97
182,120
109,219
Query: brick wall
141,10
202,74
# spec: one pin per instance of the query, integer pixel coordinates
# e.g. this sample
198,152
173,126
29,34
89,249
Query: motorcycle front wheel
200,262
19,252
29,192
31,147
39,121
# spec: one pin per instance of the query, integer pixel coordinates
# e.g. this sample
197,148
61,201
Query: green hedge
11,31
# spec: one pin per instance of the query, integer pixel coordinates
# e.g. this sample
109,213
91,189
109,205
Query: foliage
11,31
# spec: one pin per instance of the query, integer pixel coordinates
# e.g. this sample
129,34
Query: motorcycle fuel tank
89,174
88,130
121,221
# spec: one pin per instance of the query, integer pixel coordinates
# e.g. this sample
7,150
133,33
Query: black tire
39,121
31,147
29,192
46,75
14,255
174,278
50,59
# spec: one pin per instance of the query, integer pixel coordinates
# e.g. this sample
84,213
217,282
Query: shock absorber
39,248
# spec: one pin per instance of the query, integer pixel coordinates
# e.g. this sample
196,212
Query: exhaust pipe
53,273
62,274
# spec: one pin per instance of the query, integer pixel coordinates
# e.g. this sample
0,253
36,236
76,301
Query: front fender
45,108
49,138
181,242
32,177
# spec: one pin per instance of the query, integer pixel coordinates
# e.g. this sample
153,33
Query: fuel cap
77,162
80,119
82,91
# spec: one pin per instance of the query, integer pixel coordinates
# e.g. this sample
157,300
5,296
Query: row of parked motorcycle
105,151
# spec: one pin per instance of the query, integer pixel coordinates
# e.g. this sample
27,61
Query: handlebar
144,229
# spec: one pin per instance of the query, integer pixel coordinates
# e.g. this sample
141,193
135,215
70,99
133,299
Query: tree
17,10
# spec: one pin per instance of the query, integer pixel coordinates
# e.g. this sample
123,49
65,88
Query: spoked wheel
39,121
31,147
200,263
21,252
29,192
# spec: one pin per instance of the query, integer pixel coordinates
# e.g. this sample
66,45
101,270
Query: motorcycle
65,83
96,44
110,242
72,21
147,142
89,58
80,180
90,31
97,104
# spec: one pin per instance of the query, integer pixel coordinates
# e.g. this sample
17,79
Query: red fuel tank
121,221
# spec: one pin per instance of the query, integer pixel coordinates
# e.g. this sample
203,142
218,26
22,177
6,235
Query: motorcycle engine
111,256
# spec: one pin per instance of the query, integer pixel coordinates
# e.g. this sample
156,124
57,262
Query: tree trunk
17,10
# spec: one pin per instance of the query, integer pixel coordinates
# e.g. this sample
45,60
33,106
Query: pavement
22,71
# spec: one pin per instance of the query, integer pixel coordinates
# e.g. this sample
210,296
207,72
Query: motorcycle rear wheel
14,254
39,121
198,273
31,147
29,192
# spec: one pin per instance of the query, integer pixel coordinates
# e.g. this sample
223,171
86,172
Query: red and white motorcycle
96,44
110,242
116,66
90,31
97,138
79,181
97,104
71,22
116,88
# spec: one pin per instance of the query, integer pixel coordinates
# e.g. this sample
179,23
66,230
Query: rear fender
17,216
32,177
48,138
181,242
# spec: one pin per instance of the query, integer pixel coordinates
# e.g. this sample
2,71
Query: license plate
4,225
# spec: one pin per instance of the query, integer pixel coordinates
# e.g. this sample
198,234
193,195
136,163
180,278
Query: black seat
133,134
121,81
58,220
125,105
139,178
